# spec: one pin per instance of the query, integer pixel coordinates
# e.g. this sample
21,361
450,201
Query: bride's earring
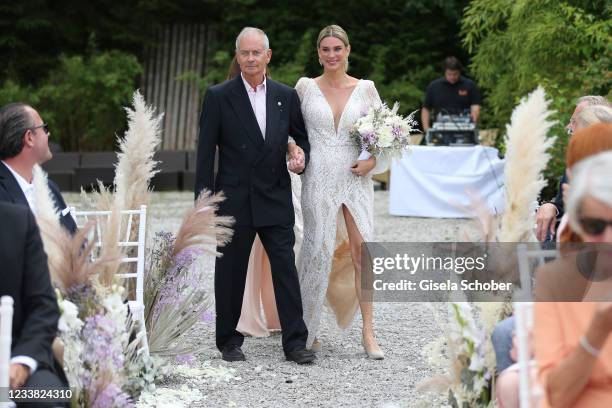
320,62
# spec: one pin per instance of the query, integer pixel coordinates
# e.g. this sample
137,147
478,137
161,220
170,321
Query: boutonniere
280,106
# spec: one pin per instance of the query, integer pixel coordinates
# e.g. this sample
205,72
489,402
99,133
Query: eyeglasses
44,127
594,226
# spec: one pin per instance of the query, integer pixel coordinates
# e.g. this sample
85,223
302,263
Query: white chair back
6,336
524,323
527,267
126,240
523,310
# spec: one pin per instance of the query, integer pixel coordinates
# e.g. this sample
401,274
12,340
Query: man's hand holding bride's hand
297,161
363,167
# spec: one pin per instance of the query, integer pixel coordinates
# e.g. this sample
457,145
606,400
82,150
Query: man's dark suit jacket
11,192
252,171
25,277
558,200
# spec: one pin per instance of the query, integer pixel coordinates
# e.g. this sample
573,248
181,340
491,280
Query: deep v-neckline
331,111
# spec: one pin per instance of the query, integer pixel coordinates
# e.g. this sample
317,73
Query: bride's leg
355,241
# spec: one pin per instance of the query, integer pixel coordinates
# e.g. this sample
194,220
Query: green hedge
565,46
82,99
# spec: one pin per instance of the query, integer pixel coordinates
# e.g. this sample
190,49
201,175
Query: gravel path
342,375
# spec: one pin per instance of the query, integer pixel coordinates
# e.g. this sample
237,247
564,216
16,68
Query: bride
337,189
337,203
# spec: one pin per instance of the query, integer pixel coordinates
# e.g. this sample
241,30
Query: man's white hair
590,178
592,100
252,30
591,115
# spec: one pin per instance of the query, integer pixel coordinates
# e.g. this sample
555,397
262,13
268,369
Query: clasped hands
297,163
297,159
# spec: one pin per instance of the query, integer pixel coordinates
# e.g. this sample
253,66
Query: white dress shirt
257,97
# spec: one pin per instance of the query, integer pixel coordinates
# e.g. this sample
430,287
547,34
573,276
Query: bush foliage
563,45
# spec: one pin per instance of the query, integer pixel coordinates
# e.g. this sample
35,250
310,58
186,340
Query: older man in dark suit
24,142
24,276
249,119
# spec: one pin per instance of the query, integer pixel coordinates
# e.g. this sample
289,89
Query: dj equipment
452,130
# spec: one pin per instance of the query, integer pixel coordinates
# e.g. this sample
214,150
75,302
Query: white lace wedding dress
328,183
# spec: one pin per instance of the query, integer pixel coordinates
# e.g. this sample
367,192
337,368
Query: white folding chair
523,310
128,217
524,323
6,336
526,255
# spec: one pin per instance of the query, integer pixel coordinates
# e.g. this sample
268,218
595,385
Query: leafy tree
563,45
83,99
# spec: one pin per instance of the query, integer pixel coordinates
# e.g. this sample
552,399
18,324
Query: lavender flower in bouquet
383,132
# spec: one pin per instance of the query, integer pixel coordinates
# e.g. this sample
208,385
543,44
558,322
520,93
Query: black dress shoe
232,353
301,356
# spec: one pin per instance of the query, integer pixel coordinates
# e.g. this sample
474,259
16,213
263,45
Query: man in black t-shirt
451,94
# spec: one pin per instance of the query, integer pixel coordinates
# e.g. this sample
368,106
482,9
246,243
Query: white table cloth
433,181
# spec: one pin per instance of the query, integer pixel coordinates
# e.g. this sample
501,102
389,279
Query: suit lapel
272,113
242,106
10,185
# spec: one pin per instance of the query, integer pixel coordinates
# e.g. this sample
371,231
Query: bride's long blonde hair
337,32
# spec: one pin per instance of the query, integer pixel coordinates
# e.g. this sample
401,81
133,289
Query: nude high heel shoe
374,352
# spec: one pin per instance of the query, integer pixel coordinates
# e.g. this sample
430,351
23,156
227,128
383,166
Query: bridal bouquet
382,131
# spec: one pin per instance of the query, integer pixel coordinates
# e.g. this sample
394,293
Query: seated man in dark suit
25,277
24,142
550,211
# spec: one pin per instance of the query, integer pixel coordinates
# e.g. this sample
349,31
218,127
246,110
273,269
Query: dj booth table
433,181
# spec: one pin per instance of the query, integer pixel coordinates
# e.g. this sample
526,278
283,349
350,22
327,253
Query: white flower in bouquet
114,304
385,136
366,127
476,362
69,319
69,326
